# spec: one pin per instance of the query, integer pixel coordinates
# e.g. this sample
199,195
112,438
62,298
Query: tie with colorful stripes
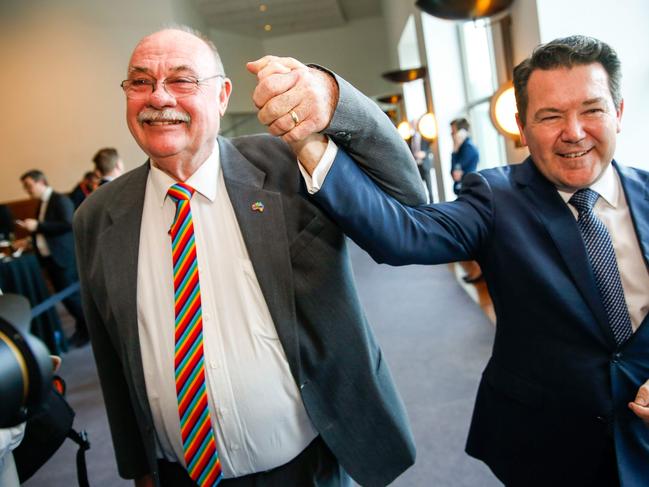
201,456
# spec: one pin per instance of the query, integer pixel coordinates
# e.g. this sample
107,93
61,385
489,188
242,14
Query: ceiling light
405,130
427,126
263,7
268,27
503,111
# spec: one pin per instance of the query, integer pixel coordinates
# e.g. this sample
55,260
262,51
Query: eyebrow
175,69
550,110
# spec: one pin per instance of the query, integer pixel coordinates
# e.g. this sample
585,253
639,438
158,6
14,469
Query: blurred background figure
464,160
465,155
420,148
6,223
108,164
86,186
54,244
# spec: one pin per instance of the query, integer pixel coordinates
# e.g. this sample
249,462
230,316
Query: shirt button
235,447
214,365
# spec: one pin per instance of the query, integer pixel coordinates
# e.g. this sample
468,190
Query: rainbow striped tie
201,456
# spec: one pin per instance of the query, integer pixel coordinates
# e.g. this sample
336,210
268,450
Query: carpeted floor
435,338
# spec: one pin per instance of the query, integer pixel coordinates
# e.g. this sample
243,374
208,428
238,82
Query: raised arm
325,103
397,234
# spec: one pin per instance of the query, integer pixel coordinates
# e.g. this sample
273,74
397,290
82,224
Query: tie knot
584,200
181,191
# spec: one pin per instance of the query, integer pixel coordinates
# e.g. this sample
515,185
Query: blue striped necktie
603,262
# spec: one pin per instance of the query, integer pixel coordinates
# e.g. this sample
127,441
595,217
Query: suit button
601,419
616,357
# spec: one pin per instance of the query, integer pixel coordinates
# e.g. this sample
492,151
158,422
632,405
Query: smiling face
571,124
185,129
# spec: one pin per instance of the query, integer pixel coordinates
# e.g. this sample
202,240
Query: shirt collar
607,186
203,180
47,194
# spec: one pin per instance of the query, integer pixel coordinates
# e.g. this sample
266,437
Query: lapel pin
257,206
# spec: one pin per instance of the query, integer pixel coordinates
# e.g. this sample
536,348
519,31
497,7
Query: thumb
255,66
642,398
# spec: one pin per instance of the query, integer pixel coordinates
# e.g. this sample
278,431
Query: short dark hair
568,52
461,123
106,160
35,174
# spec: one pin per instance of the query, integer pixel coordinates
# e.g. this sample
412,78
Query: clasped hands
295,102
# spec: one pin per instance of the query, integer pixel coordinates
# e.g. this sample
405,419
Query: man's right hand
286,85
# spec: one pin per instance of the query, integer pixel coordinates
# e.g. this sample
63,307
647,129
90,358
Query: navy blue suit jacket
556,388
467,159
56,227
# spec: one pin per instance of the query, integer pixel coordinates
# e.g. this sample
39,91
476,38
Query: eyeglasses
140,88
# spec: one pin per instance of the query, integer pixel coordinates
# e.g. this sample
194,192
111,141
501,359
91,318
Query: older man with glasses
230,343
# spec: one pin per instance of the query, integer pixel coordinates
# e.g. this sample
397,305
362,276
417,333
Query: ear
521,130
224,95
619,116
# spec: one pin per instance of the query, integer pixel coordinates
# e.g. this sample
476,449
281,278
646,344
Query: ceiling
252,17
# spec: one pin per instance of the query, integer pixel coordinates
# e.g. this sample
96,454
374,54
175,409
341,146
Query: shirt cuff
315,181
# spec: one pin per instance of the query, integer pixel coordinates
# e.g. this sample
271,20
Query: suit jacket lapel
562,227
636,190
264,233
120,248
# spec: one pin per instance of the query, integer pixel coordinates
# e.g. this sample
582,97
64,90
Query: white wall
625,27
62,63
357,51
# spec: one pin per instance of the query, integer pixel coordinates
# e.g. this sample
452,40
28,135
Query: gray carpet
434,337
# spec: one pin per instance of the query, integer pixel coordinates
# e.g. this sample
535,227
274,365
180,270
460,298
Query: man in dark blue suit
564,399
54,244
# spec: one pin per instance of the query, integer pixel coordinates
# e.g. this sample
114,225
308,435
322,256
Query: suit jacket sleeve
58,216
367,134
397,234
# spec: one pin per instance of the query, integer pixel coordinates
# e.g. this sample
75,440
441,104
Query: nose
160,97
573,130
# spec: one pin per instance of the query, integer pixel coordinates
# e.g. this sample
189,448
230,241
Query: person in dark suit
6,222
295,388
108,164
86,186
420,148
563,242
54,244
465,156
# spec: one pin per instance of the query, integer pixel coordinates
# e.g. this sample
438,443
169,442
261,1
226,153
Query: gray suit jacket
301,262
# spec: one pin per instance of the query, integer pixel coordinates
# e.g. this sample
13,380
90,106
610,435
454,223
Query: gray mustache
166,115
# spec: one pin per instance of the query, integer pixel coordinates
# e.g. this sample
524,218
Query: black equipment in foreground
25,363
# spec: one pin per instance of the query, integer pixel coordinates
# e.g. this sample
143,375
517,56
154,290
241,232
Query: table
23,276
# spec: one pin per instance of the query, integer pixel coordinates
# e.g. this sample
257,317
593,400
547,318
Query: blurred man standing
54,243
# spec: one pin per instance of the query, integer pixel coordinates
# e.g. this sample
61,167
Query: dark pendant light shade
463,9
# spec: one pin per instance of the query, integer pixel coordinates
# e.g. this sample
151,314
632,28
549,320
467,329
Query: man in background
86,186
108,164
465,157
54,244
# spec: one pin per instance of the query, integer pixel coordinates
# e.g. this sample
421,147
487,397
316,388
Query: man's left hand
288,90
28,224
640,406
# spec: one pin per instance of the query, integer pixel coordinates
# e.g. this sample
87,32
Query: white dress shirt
613,209
257,412
41,243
